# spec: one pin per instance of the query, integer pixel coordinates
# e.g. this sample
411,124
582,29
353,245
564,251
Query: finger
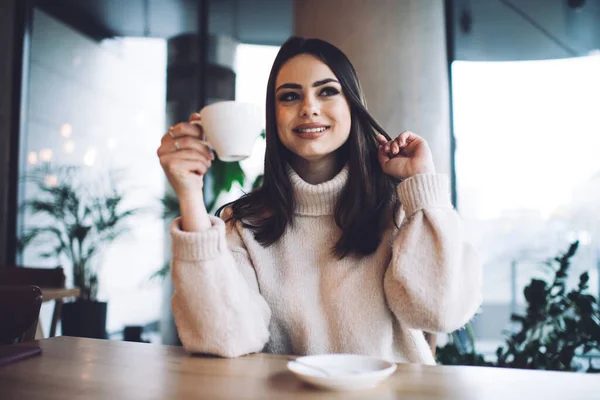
411,137
172,148
198,123
404,137
167,146
196,120
412,141
191,155
186,143
381,139
395,147
185,129
382,156
199,145
180,168
175,165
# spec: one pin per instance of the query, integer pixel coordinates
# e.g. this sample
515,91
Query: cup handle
203,138
197,122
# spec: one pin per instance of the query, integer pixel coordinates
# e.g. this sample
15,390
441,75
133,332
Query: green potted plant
559,327
79,217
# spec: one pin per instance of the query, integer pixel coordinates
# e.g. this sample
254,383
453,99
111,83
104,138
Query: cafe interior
506,93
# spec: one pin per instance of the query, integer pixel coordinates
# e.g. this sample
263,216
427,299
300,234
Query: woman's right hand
185,157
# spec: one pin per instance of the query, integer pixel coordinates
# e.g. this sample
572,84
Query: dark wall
12,13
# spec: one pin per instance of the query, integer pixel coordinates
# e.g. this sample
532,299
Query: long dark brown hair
364,204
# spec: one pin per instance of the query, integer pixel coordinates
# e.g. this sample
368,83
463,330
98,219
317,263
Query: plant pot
84,319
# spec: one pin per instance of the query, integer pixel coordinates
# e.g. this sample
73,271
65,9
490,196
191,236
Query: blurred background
506,92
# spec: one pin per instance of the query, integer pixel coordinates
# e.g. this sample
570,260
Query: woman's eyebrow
289,86
324,81
298,86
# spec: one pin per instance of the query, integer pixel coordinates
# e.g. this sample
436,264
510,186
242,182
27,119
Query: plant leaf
225,174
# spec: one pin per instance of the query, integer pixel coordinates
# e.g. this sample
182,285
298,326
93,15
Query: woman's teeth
312,130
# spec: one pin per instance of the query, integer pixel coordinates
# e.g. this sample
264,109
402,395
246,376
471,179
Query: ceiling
500,30
250,21
487,30
108,18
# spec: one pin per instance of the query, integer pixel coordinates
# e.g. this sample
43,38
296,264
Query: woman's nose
310,107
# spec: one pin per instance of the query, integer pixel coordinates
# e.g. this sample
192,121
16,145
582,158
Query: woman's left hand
405,156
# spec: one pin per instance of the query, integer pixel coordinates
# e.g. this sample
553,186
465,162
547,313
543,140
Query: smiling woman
351,245
310,105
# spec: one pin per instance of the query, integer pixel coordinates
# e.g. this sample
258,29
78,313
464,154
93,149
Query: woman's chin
314,155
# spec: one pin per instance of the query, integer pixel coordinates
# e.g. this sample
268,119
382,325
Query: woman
350,246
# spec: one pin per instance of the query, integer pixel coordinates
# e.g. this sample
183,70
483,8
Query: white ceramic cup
231,128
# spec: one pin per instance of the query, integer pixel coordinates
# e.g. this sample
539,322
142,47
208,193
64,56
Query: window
252,66
528,169
100,106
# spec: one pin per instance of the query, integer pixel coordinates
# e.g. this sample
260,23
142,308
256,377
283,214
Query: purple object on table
10,354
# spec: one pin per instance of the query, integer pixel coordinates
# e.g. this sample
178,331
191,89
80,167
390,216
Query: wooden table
73,368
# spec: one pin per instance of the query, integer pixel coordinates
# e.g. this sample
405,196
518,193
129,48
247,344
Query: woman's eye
289,96
329,91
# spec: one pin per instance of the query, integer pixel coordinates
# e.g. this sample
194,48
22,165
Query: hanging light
51,180
66,130
32,158
89,157
69,146
46,155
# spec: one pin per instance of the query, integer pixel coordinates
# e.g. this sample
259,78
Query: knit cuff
424,191
198,246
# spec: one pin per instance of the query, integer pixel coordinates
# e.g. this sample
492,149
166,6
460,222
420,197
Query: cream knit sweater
233,296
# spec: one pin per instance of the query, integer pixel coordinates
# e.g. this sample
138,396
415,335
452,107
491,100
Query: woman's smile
311,130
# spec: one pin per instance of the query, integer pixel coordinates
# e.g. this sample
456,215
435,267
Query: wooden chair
432,341
11,275
19,313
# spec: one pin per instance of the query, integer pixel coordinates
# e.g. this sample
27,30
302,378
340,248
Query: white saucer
342,371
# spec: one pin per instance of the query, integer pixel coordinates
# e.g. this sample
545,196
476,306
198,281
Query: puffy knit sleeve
217,306
433,282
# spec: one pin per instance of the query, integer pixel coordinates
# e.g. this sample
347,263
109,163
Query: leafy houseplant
457,353
78,218
558,326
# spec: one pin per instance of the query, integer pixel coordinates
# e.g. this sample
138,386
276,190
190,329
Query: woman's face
313,115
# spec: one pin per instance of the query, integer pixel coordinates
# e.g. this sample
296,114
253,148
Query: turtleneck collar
319,199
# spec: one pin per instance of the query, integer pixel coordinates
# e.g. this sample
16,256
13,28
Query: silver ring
176,145
170,132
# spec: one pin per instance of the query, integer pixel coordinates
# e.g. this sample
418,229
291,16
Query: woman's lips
312,133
